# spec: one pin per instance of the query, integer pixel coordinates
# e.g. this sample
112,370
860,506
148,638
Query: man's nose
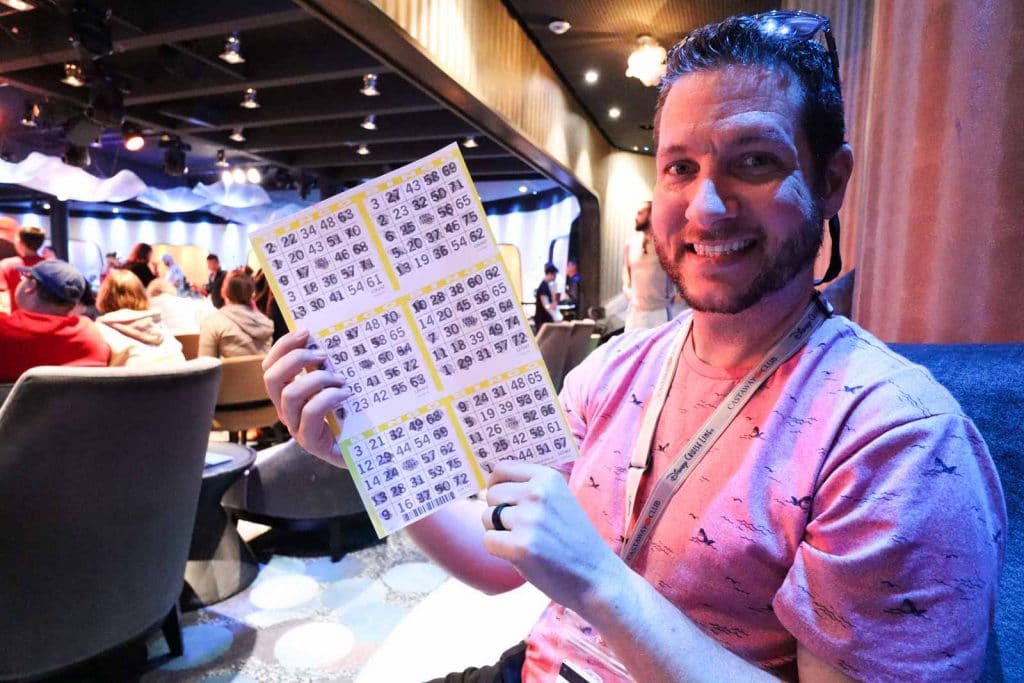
707,204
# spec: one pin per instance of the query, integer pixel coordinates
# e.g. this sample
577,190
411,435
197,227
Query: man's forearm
654,640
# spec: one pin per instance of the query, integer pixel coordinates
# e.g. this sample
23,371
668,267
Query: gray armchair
100,470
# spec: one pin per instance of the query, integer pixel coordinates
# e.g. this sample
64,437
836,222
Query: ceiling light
249,99
17,5
647,148
559,26
635,148
370,122
115,210
523,189
238,175
222,159
31,117
591,76
254,176
470,142
132,137
77,156
232,50
174,157
227,177
647,61
614,113
362,150
237,135
74,75
370,85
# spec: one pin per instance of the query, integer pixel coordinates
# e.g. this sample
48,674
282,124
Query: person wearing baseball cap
42,329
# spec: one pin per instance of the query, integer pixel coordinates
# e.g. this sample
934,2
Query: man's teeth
721,249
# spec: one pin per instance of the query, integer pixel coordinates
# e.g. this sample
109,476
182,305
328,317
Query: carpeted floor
303,619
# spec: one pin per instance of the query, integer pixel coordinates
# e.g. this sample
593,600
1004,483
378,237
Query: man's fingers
296,395
517,471
289,342
499,517
286,370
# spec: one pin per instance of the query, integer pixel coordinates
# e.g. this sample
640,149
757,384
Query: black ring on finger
496,517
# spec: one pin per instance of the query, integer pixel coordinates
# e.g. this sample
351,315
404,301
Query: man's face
734,214
570,269
25,294
643,217
213,265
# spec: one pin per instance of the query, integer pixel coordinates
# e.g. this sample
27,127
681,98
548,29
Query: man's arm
627,288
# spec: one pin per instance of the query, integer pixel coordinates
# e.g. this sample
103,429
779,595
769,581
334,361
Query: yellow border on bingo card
421,344
359,201
353,468
257,244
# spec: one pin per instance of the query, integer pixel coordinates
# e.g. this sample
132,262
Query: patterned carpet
303,619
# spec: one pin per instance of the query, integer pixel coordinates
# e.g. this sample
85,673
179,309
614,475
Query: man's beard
794,255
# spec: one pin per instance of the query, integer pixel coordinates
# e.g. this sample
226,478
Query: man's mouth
711,250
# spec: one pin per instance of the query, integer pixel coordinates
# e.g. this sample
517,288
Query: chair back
243,402
986,379
189,345
553,342
100,471
580,344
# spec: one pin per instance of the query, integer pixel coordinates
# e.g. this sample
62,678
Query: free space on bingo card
401,284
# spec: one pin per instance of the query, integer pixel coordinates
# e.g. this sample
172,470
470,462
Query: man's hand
549,538
304,400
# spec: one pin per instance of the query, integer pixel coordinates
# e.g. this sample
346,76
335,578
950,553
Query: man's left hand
548,537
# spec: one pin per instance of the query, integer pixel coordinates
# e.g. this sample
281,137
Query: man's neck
740,340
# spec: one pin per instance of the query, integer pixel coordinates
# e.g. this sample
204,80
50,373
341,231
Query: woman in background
237,328
135,333
140,262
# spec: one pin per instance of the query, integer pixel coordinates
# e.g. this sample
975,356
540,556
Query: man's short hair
213,257
238,287
550,269
32,237
740,41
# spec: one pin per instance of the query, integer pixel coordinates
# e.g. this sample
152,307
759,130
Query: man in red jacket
42,330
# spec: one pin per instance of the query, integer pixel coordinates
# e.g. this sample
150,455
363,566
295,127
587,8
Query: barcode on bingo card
424,509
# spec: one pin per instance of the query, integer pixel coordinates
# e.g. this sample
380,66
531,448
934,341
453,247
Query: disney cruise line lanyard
716,424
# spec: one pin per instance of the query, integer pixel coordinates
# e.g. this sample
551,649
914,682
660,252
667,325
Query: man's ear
837,176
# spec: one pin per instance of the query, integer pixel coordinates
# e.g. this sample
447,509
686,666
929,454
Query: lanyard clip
823,304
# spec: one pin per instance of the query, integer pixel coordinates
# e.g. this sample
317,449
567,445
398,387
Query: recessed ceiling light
614,113
237,135
232,50
362,150
559,26
238,175
635,148
370,85
74,75
470,142
249,99
369,123
647,148
115,210
591,76
523,189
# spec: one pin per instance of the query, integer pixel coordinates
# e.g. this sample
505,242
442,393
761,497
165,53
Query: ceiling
157,64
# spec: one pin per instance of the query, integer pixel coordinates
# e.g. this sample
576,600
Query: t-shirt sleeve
896,576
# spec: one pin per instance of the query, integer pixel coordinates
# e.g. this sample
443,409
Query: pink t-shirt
850,506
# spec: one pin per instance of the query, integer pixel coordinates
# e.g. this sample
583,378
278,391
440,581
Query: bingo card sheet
399,281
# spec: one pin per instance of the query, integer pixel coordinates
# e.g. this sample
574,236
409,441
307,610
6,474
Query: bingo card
400,283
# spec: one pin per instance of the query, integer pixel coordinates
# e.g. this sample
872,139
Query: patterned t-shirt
850,506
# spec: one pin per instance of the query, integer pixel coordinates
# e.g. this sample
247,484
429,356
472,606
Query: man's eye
679,168
756,162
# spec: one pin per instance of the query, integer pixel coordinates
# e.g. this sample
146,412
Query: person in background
28,242
135,333
764,490
647,287
572,286
86,306
267,304
546,299
174,275
140,262
44,330
215,282
48,252
237,328
112,262
8,233
179,314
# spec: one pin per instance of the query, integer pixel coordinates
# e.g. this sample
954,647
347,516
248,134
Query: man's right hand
303,400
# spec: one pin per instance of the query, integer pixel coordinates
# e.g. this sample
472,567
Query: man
215,281
572,286
43,331
843,520
545,300
28,242
645,284
174,274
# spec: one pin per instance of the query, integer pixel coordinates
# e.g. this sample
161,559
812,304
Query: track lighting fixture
232,53
249,99
369,123
222,161
132,136
74,75
77,156
174,157
237,135
362,150
470,142
370,85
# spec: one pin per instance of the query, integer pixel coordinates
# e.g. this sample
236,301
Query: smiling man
764,489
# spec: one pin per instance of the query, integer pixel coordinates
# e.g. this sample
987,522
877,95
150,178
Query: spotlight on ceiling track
31,117
222,160
232,50
362,150
470,142
369,123
74,75
174,156
249,99
132,136
559,26
370,85
77,156
237,135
